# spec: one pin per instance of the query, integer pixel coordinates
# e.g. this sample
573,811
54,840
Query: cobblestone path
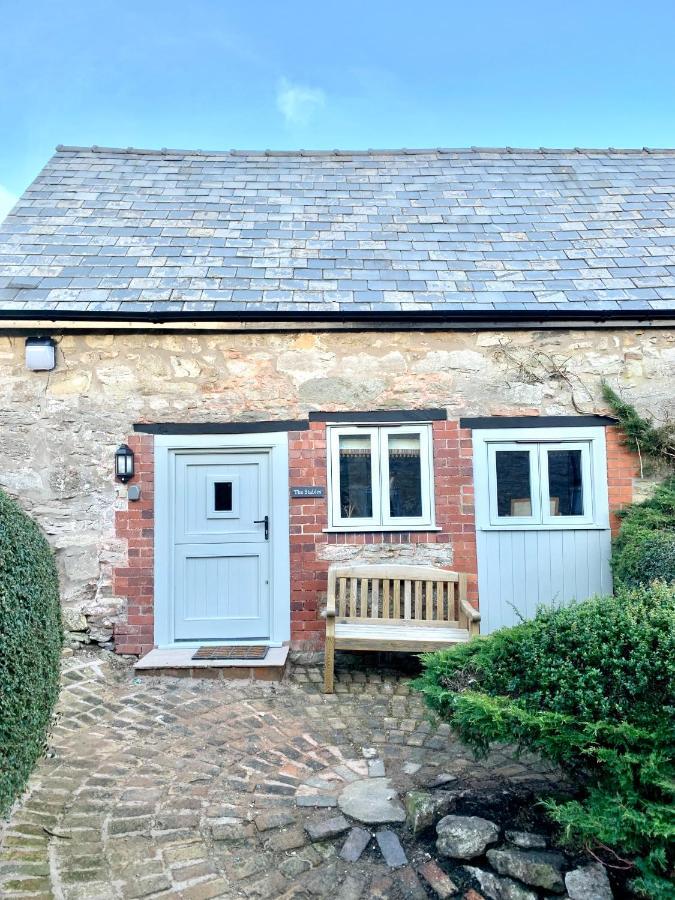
179,788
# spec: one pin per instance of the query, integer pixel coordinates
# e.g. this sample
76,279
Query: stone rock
352,888
496,888
293,866
229,830
77,638
526,840
441,780
463,837
390,846
264,821
437,880
306,657
535,867
327,828
292,839
424,809
73,620
315,800
409,884
372,801
357,841
589,883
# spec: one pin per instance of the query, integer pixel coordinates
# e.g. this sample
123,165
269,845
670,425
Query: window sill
382,529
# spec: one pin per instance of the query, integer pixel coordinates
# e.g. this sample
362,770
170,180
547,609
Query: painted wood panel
221,556
519,570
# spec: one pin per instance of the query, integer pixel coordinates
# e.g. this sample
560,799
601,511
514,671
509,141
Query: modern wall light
124,463
40,354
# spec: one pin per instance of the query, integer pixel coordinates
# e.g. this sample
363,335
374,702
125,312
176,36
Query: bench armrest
330,594
472,614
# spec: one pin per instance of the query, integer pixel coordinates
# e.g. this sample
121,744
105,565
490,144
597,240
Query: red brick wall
135,581
622,468
308,517
454,515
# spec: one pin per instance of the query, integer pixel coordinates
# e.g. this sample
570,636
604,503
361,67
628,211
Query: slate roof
479,232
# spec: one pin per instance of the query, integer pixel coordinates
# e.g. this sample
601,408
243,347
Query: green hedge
589,686
644,549
31,637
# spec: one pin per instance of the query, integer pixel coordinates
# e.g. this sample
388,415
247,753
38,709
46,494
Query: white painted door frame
276,443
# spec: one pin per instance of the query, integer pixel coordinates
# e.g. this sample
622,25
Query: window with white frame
380,477
555,482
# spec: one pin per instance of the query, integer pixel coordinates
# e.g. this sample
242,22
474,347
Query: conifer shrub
31,638
644,549
590,687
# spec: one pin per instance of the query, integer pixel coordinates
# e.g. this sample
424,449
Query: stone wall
59,430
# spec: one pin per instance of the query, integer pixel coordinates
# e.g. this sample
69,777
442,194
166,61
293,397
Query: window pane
565,483
222,500
514,493
405,476
356,488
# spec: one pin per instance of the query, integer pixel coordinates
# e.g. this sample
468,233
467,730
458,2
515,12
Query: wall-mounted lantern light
124,463
40,354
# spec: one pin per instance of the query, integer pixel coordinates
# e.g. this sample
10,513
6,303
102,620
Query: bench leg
328,665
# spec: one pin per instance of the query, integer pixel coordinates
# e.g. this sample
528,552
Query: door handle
266,523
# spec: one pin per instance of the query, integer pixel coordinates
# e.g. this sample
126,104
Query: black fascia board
442,317
177,428
379,416
479,422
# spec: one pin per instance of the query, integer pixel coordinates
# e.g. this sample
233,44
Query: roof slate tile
337,232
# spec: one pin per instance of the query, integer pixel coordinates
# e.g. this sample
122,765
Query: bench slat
364,598
397,598
407,599
376,598
342,606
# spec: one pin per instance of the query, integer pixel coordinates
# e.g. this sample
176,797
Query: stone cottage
308,357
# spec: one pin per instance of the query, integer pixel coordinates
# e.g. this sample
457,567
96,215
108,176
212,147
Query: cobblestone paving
179,788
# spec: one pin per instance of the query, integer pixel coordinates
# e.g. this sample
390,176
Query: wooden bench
395,607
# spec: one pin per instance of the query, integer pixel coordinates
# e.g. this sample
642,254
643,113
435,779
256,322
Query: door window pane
405,476
222,496
514,491
356,486
565,483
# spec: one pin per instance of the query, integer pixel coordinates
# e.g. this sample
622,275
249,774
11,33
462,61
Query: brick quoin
135,581
454,496
623,466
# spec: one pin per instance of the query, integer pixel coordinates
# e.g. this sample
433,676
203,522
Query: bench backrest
391,593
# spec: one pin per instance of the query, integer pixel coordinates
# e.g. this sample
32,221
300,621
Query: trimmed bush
31,638
590,687
644,549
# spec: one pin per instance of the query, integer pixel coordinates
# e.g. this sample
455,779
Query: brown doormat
232,652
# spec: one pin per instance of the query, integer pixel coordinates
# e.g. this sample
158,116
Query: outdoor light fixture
124,463
40,354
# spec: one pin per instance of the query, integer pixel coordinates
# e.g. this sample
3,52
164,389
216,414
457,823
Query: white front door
221,570
221,547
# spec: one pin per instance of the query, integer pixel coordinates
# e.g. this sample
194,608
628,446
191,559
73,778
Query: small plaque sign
309,491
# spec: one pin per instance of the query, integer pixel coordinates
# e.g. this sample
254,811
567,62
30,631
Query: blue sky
214,74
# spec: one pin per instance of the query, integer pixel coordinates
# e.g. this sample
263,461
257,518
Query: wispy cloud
297,102
7,201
